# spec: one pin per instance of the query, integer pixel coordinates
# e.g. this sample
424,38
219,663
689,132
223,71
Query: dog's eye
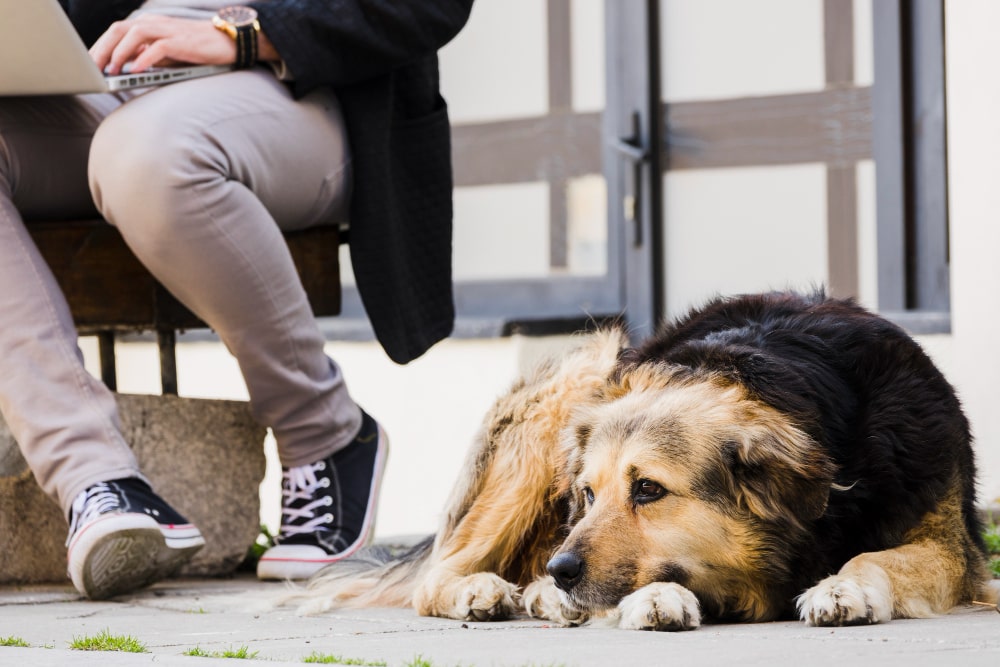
646,491
588,493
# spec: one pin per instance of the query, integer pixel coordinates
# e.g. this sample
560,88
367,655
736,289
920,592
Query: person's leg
65,420
210,174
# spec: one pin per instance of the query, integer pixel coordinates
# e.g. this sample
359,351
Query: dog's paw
541,599
485,597
842,600
660,606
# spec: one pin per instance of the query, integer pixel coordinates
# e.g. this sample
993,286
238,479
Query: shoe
123,537
328,507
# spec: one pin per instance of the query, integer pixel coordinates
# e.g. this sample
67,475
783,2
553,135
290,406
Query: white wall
973,93
741,230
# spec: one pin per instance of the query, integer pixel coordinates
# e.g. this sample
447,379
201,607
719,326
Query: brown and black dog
765,456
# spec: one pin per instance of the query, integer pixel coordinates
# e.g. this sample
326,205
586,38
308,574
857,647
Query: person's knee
144,167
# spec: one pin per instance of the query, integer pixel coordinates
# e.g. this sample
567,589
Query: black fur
861,388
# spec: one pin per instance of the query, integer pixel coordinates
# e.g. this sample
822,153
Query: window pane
743,230
717,49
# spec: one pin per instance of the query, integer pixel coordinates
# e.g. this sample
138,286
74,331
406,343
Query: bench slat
108,289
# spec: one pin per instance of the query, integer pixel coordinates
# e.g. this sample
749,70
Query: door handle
631,149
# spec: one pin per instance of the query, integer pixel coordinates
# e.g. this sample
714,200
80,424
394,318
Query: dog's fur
763,456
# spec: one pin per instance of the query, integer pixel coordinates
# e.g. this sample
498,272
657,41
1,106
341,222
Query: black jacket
380,57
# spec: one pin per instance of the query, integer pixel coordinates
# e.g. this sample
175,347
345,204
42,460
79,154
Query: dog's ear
779,475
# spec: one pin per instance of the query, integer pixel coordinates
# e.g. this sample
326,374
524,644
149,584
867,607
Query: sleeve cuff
281,70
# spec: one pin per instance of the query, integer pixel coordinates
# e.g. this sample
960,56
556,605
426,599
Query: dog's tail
375,577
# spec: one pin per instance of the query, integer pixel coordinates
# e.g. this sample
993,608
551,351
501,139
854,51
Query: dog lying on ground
764,456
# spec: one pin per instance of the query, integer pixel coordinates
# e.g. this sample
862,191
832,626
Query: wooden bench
110,292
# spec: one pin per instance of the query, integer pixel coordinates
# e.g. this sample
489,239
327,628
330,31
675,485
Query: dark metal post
167,338
106,352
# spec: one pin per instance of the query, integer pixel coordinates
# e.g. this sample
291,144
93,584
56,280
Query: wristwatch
242,25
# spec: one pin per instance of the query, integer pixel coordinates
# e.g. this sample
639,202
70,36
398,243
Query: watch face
238,16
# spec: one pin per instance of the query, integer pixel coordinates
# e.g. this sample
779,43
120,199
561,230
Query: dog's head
686,479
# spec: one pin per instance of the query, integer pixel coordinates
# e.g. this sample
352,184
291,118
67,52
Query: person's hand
156,41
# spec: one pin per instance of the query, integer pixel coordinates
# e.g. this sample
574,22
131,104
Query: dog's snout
567,570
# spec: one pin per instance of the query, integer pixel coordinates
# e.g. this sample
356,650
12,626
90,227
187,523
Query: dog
764,457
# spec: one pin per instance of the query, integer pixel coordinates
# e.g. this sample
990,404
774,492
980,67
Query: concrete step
204,457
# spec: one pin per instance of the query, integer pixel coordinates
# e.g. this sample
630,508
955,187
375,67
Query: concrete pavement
216,615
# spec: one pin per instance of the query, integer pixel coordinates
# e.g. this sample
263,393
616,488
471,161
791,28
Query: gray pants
200,178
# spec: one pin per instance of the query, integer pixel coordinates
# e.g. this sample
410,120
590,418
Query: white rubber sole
120,553
301,561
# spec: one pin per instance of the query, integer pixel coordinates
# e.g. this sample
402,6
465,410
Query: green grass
329,659
105,641
992,538
418,661
242,653
264,541
14,641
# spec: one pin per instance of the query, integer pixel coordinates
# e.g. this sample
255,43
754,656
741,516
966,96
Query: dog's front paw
842,600
485,597
541,599
660,606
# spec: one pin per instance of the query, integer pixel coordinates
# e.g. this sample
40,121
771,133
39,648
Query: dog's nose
566,569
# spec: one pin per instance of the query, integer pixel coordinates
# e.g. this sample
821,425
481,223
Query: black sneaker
328,507
122,537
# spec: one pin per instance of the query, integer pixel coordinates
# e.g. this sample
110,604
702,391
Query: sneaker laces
300,502
89,504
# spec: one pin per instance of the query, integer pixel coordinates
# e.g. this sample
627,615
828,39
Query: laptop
41,54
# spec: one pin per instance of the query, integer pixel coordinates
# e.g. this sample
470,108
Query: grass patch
14,641
242,653
992,538
264,541
105,641
418,661
329,659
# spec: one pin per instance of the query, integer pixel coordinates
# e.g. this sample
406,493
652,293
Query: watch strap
247,45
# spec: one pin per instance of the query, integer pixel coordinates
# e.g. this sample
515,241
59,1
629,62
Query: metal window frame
899,122
633,134
910,152
832,126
